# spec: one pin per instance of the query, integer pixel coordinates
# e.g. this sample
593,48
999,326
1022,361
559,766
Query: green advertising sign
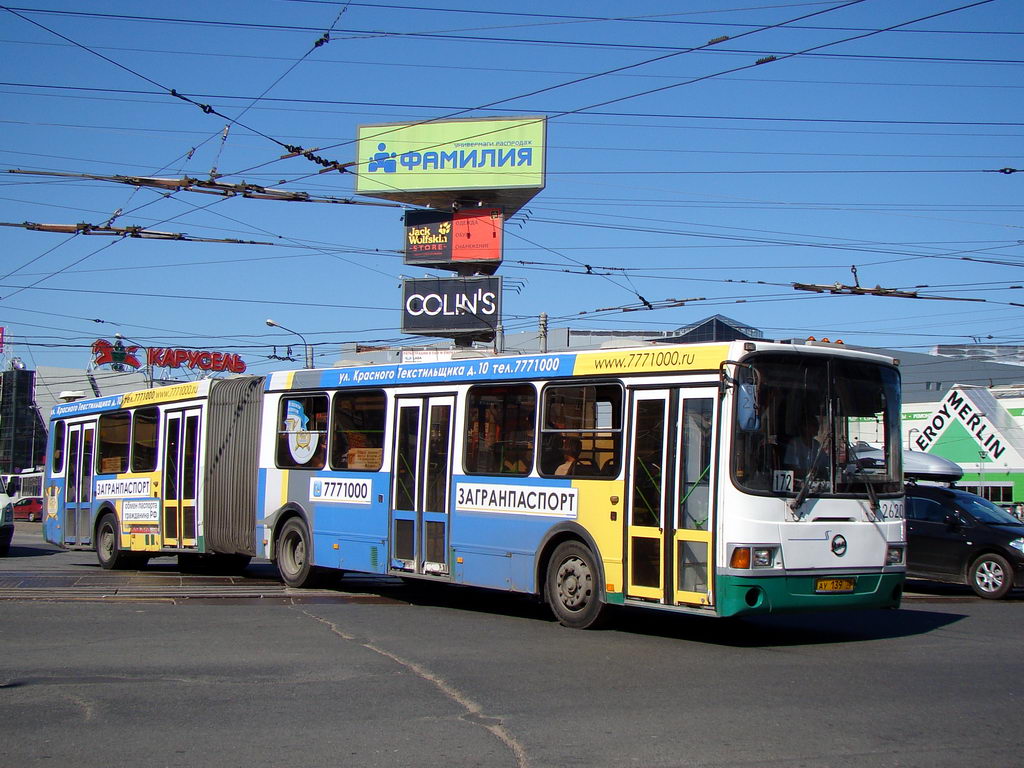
395,159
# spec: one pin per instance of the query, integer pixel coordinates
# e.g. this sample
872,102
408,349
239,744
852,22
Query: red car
28,509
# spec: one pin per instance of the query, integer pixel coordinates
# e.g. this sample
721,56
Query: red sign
120,358
116,355
195,358
441,238
476,235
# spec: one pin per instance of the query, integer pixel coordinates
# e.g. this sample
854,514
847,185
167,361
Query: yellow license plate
835,585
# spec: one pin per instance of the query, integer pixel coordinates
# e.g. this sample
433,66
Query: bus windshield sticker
782,481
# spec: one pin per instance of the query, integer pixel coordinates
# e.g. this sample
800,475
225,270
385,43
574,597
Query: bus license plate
835,585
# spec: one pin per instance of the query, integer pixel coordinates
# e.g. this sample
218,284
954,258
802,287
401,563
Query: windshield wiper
869,486
801,497
872,496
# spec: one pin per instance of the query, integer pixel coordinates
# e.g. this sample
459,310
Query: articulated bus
717,479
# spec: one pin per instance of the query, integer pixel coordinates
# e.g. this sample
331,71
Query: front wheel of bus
108,551
572,589
294,548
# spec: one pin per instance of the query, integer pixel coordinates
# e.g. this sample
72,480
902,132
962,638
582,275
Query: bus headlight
745,557
894,556
763,557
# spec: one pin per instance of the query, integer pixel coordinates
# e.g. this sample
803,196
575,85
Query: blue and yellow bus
716,479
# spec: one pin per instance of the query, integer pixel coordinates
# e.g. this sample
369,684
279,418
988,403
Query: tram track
69,585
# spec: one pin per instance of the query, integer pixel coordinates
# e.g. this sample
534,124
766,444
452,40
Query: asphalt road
376,674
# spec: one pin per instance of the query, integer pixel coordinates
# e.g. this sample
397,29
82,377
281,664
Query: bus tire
293,554
108,545
571,586
991,576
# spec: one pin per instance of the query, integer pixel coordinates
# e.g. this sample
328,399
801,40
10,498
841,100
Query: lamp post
910,435
305,345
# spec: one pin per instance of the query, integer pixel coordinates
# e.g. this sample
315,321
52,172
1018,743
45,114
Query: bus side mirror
747,417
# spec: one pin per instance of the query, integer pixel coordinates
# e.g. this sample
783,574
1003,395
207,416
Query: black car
953,535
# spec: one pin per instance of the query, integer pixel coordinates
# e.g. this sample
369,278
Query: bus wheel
571,586
294,549
108,550
991,576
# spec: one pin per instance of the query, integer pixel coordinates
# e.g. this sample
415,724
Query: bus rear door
181,478
670,548
421,485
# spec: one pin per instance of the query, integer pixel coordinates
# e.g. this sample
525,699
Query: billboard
454,239
455,306
498,161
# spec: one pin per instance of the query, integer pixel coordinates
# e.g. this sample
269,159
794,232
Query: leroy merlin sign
969,426
490,154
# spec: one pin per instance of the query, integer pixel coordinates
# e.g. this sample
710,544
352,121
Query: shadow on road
930,608
758,631
790,629
21,550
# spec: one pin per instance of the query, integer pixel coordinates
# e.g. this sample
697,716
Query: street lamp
309,349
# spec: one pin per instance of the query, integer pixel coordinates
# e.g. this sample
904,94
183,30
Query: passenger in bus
806,447
571,447
515,461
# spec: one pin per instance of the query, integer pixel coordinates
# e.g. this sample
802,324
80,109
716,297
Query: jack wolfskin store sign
452,239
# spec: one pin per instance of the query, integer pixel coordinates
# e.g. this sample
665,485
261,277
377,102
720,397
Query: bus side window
302,432
582,430
144,439
358,420
114,442
59,432
500,429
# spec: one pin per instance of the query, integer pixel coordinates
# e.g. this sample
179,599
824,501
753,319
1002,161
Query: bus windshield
817,426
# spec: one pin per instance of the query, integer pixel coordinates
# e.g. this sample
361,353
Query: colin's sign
451,307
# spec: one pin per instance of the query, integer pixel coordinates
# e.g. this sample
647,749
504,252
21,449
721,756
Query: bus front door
421,485
77,513
670,552
180,479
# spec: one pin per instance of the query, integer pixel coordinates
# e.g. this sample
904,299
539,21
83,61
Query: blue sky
727,184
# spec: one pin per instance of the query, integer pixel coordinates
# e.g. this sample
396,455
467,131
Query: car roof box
918,465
